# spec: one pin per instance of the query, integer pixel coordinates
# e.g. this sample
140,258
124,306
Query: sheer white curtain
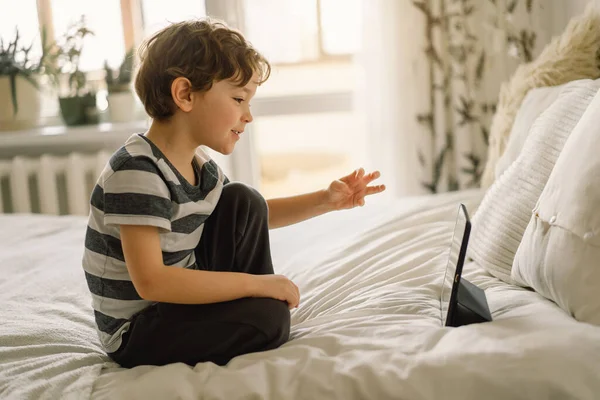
427,114
392,74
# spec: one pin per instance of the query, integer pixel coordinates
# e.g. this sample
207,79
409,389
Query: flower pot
121,106
29,101
79,110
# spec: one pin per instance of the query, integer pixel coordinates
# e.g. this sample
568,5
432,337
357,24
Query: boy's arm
156,282
344,193
290,210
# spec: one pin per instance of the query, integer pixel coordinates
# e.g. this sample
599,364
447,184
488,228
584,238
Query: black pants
235,238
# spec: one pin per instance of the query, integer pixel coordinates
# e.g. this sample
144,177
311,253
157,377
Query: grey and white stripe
139,186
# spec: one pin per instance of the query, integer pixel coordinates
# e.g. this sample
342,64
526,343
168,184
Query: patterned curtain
471,47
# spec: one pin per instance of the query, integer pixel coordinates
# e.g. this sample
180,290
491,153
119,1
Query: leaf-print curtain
432,75
471,47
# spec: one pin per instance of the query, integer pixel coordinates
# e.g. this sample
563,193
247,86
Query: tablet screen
450,274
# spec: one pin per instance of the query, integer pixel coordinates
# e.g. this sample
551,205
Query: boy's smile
223,108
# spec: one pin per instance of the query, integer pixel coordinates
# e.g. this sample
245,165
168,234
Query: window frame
133,29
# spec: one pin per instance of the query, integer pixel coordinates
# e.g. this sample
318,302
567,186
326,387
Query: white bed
368,326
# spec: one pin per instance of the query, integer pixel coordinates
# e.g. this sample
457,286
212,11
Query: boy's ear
181,91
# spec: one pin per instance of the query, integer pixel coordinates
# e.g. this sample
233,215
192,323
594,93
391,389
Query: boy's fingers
360,174
297,291
374,189
372,176
351,175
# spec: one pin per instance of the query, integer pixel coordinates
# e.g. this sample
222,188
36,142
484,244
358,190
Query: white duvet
368,326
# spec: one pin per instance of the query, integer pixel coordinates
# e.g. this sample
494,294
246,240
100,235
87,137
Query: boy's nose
247,117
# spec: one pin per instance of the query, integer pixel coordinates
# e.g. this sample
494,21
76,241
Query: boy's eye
239,100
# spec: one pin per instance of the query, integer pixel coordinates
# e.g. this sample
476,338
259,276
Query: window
25,19
305,132
292,31
104,19
285,31
305,139
158,14
305,152
340,26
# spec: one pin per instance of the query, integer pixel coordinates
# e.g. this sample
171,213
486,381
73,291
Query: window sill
61,139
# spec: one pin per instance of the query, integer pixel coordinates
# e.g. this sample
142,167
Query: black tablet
461,302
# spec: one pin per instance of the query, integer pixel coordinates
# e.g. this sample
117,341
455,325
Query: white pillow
559,256
501,219
535,102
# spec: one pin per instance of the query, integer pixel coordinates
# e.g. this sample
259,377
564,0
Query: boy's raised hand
350,191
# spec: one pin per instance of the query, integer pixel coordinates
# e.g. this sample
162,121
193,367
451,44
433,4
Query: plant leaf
429,186
486,135
479,69
452,184
13,93
421,158
421,6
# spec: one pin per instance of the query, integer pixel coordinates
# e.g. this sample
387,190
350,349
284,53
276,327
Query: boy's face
220,115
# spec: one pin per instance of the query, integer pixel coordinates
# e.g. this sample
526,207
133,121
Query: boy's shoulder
135,152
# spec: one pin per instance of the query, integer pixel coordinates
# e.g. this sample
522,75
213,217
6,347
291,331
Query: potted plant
20,75
121,100
77,101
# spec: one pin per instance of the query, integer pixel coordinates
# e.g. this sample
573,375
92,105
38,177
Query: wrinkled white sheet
48,345
368,326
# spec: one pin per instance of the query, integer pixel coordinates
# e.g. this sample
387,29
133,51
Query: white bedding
368,326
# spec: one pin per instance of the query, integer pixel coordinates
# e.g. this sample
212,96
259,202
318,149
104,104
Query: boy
176,257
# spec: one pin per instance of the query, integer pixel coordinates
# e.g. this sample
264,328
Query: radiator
50,184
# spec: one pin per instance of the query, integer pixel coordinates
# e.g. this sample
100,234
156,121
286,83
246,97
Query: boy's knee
272,319
240,193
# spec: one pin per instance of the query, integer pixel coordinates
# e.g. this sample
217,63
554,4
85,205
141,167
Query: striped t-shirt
139,186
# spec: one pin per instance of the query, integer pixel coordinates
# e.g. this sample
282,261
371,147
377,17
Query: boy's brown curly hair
203,51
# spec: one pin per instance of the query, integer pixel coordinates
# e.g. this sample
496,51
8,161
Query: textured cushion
536,101
559,256
568,57
501,219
